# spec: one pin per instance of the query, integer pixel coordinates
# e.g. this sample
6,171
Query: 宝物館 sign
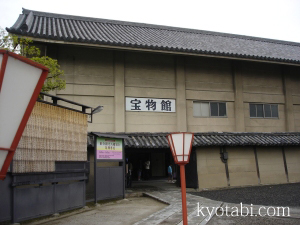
150,105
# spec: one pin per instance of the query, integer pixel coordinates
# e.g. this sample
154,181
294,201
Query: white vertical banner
150,105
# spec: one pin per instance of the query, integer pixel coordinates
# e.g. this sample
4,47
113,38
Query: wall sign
109,148
150,105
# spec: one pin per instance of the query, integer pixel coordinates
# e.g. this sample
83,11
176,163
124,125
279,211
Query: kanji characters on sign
150,105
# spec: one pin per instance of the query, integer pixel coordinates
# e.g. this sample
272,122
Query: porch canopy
159,140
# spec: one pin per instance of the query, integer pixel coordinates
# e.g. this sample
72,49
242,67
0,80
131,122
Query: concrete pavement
166,209
203,211
172,214
120,212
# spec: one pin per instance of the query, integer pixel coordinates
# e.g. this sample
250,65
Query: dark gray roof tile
159,140
147,36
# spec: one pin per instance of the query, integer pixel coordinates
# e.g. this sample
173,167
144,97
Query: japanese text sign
109,148
150,105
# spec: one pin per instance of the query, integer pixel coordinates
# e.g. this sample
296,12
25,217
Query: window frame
209,107
264,112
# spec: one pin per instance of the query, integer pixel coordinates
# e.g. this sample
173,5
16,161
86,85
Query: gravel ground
270,195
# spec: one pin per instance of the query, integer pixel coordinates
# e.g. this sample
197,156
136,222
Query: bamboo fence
51,134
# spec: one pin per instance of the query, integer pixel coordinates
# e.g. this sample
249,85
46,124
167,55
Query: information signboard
150,105
109,148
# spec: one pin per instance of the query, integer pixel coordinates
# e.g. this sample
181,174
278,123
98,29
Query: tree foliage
8,41
25,47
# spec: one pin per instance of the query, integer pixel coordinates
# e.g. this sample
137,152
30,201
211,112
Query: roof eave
137,48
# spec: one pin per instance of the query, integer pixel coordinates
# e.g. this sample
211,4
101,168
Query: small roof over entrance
109,135
159,140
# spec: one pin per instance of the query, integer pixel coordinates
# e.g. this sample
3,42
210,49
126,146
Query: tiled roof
144,36
159,140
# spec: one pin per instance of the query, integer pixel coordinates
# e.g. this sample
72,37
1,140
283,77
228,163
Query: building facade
239,95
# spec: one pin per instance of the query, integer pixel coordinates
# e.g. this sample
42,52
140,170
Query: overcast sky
275,19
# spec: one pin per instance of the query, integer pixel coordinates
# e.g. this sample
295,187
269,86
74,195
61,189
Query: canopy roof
159,140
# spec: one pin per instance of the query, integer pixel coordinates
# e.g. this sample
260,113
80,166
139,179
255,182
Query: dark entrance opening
159,159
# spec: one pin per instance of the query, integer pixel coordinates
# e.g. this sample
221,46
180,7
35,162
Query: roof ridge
161,27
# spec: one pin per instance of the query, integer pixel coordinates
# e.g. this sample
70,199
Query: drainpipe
224,158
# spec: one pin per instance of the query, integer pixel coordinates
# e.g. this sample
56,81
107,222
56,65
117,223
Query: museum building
239,95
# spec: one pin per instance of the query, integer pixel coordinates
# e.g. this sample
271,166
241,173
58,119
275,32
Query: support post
183,194
238,97
119,76
54,194
95,168
13,219
288,95
123,164
180,94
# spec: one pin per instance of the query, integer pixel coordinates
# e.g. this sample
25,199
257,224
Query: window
210,109
263,111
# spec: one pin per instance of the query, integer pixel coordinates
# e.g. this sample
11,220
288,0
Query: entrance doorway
159,159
